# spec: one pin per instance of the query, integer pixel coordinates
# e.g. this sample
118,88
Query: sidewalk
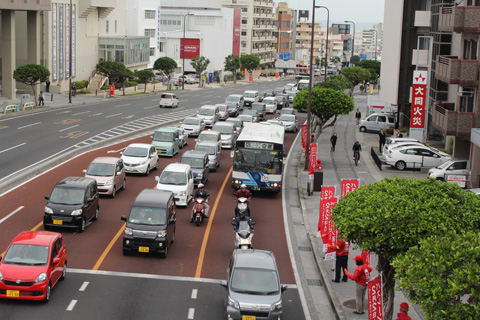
339,165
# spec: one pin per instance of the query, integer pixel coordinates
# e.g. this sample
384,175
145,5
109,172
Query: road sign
363,56
285,56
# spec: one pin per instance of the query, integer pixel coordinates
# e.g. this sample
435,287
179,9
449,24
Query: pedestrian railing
28,105
375,158
10,108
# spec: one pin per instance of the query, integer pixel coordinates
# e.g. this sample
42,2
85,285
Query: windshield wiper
248,292
270,292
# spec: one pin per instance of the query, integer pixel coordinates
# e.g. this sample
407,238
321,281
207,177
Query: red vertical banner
313,158
250,78
366,258
112,89
375,307
348,185
304,135
277,75
419,95
237,21
328,226
326,193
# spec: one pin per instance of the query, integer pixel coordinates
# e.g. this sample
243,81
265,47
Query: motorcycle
242,206
198,211
244,235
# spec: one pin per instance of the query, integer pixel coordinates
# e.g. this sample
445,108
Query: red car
32,265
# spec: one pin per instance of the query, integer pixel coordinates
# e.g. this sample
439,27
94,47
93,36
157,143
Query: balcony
453,123
104,8
460,19
243,50
420,58
243,38
452,70
423,19
235,2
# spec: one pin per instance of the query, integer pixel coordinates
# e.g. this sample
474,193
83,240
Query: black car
233,109
150,224
73,203
198,161
261,95
282,101
269,93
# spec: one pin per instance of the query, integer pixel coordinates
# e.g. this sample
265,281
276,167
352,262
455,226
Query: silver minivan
209,114
376,122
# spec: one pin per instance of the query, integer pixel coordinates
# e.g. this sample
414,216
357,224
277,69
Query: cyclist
356,149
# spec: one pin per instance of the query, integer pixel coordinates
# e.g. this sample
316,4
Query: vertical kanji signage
418,111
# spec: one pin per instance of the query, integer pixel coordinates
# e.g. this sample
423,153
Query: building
304,42
442,38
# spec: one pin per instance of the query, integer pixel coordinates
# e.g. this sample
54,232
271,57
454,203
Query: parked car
167,141
416,157
150,224
198,161
474,191
250,97
270,104
237,98
182,136
238,124
191,79
168,100
376,122
223,112
109,172
32,265
72,203
253,113
228,134
451,167
261,110
209,114
253,286
140,158
192,126
214,153
246,118
178,178
289,121
233,109
282,101
392,146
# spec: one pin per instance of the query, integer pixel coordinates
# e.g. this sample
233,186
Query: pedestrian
360,276
399,134
358,116
333,141
381,141
41,99
47,85
403,314
341,263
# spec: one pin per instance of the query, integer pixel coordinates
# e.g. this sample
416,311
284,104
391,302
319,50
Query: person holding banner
403,314
341,263
360,276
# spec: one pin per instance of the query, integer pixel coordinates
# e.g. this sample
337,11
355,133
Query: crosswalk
133,129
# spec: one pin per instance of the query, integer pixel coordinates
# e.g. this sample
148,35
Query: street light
353,40
183,63
326,45
375,44
70,55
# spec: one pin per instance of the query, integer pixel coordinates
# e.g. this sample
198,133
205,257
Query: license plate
143,249
57,222
159,151
249,317
13,293
255,188
165,104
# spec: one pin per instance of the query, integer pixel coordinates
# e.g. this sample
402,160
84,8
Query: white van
178,178
169,100
376,122
303,84
452,167
250,97
209,114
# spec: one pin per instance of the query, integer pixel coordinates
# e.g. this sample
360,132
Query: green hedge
131,84
81,84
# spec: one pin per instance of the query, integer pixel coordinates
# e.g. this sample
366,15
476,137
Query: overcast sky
340,10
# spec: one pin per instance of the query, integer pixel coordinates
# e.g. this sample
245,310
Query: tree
112,70
391,216
167,66
335,59
200,64
124,76
31,74
354,60
337,82
373,67
325,104
144,76
441,274
232,64
249,62
355,75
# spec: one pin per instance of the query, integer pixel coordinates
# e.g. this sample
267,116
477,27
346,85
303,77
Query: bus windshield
265,161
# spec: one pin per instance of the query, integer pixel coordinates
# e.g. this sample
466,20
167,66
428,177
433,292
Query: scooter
242,206
198,211
243,236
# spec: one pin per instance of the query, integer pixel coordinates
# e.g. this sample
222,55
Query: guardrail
28,105
375,158
10,108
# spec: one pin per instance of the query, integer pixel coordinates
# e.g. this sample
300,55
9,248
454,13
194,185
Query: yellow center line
108,248
209,226
37,226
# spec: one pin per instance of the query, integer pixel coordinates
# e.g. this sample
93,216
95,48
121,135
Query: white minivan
209,114
452,167
178,178
376,122
168,100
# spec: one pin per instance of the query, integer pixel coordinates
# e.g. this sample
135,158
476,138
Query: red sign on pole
250,78
313,158
112,89
277,75
329,204
325,194
375,308
348,186
419,95
189,48
304,135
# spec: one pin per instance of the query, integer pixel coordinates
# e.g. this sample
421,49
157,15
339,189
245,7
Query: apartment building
283,21
304,42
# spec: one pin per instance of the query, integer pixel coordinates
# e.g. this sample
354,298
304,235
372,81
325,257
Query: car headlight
1,277
109,182
233,303
161,234
48,210
77,212
276,306
200,175
41,277
143,162
182,193
128,232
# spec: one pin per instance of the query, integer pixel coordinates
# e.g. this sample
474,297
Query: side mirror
223,283
157,178
151,137
47,197
56,260
84,171
284,287
123,218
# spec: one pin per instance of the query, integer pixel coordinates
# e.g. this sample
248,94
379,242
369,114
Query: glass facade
128,50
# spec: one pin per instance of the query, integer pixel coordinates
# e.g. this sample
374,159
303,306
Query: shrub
81,84
131,84
104,88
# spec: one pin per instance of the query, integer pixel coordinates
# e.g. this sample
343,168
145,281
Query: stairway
96,82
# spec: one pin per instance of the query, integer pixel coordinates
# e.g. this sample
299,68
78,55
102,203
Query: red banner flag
348,186
313,158
304,135
327,227
375,308
366,258
327,192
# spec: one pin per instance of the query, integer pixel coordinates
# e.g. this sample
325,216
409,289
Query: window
150,33
152,52
160,47
149,14
106,26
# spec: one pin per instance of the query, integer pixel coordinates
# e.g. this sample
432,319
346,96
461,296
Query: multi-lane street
102,282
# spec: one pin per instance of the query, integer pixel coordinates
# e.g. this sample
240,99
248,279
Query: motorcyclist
243,192
202,193
356,149
242,217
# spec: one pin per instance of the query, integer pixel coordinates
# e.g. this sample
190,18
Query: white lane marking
68,128
12,213
128,117
194,293
96,114
191,313
113,115
76,114
122,105
84,286
18,145
150,107
68,111
71,305
29,125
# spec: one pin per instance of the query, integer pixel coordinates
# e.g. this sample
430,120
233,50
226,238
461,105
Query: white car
168,100
289,121
237,98
392,146
270,104
246,118
209,114
178,178
193,126
416,157
140,158
452,167
376,122
191,79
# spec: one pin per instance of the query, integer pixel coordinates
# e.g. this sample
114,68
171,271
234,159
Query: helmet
200,185
243,186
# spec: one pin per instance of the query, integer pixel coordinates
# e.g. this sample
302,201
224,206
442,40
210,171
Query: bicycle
356,157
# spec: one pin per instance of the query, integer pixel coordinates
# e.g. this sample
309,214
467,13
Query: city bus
258,157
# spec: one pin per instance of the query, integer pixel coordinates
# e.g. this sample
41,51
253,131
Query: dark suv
150,223
198,161
72,203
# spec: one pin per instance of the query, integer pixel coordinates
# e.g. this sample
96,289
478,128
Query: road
127,285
